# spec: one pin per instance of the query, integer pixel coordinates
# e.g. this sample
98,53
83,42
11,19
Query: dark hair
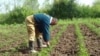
55,19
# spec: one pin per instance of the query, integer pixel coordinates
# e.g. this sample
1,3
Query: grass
46,51
14,32
11,33
93,28
81,43
80,38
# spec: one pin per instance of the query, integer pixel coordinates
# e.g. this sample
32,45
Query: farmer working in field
38,26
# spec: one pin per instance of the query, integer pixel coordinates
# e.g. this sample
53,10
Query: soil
67,45
92,41
55,31
23,50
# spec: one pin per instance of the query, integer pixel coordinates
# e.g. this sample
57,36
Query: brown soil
55,31
92,41
67,45
23,50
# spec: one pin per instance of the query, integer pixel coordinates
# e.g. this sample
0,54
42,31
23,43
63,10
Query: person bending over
38,26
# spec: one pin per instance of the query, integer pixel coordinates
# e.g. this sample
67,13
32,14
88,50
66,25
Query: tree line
70,9
62,9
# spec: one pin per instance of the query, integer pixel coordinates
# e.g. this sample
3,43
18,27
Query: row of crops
79,37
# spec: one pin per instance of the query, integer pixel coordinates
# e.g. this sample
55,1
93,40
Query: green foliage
84,11
46,51
93,28
17,15
96,10
70,9
80,40
11,34
31,4
63,9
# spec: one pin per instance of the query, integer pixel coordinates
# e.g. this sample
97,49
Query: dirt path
91,40
67,45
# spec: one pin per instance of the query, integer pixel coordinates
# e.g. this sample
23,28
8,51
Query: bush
17,15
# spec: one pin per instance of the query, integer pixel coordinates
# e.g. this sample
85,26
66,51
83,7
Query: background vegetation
62,9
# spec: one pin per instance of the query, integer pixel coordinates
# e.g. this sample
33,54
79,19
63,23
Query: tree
96,9
31,4
63,8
